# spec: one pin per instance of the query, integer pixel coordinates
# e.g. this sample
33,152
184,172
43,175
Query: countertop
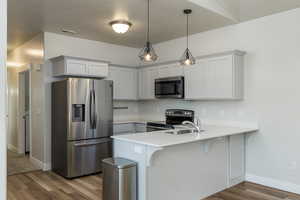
162,139
134,121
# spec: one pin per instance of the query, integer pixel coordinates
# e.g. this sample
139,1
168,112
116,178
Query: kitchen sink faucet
197,126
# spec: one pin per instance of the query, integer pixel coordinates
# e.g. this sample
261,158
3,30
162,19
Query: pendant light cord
187,31
148,31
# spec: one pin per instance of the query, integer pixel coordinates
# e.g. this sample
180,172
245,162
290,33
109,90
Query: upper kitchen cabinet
170,70
125,83
70,66
147,78
215,78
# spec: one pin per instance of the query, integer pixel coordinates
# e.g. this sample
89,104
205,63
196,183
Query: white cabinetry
170,70
147,78
219,77
125,128
236,159
125,83
70,66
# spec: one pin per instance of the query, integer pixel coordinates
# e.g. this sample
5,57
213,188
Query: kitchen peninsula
185,166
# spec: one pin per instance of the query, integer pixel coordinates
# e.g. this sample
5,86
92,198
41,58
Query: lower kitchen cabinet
236,146
219,77
133,127
125,83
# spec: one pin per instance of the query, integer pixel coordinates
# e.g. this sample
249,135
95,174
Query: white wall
12,96
272,68
3,119
31,52
56,45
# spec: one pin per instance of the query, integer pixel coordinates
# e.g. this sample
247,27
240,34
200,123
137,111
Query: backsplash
219,111
125,110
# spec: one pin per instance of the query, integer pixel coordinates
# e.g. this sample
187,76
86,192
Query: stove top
174,117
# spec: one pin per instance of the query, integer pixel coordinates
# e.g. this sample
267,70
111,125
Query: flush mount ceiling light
148,54
187,57
120,26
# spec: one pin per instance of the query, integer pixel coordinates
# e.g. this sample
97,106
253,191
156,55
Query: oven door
172,87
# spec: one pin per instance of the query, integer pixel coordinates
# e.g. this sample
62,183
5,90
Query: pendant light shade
148,54
187,57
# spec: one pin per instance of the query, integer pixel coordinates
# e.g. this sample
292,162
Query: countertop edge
184,142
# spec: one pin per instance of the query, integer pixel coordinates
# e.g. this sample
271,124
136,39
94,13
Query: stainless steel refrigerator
82,117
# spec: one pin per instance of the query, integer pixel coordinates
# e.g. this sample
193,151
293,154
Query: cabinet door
236,159
147,78
171,70
125,83
97,69
195,80
142,83
211,78
76,67
220,77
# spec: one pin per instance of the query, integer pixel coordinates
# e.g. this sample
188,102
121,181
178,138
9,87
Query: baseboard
274,183
12,148
37,162
47,167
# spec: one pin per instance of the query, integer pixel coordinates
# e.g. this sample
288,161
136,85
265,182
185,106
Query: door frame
21,133
3,100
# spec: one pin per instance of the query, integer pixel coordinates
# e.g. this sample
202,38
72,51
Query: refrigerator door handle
90,110
94,110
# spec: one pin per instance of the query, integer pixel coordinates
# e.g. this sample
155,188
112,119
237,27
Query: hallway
19,163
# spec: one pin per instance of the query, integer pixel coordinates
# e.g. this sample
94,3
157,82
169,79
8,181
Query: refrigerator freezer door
79,107
85,157
103,115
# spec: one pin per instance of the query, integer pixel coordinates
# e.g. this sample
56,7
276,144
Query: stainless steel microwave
169,88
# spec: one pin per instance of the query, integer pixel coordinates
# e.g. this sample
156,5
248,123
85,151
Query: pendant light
187,57
148,54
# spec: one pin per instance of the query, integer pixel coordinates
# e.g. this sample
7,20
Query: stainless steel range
173,117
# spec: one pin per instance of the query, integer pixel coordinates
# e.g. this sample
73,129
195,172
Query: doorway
19,159
24,115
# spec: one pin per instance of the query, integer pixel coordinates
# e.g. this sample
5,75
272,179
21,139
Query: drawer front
85,157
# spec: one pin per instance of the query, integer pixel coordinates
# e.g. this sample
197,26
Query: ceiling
90,18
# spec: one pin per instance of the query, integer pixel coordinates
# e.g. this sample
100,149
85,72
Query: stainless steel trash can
119,179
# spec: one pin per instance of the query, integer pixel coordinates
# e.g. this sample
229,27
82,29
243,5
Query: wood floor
19,163
40,185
